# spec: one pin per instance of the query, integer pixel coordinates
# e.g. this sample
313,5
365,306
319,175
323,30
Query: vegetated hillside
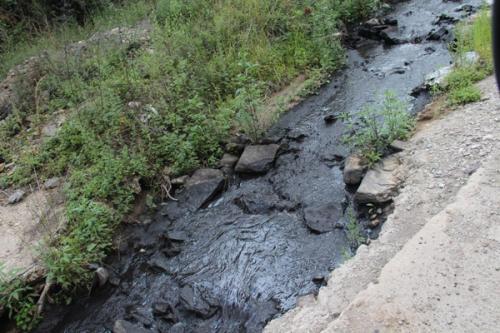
141,104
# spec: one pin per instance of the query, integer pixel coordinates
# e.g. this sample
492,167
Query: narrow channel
247,255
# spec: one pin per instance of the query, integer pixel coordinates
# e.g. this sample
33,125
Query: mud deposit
234,265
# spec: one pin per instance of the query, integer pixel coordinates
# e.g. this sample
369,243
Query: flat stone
102,275
177,236
193,302
235,148
257,159
438,34
122,326
159,263
437,77
179,181
324,218
228,161
380,183
16,197
353,170
398,145
203,185
52,183
165,311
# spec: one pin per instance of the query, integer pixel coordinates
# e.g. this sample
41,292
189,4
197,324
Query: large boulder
257,158
353,170
380,183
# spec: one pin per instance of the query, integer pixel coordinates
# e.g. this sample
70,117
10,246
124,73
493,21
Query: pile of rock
198,190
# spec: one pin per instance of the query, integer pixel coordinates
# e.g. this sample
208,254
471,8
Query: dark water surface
247,257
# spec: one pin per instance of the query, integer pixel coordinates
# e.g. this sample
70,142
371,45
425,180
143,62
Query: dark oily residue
248,256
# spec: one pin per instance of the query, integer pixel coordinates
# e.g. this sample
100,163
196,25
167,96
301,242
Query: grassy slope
209,70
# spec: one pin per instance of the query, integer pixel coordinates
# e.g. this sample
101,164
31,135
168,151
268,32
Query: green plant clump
373,129
471,38
353,230
18,300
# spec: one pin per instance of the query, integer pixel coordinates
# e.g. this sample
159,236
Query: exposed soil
24,226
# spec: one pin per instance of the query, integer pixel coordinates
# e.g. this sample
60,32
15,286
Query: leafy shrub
464,95
18,299
374,128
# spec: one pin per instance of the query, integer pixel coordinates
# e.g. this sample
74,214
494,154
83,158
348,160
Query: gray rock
52,183
438,34
353,170
437,77
469,58
102,275
16,197
228,161
122,326
179,181
257,159
203,185
193,302
380,183
159,263
235,148
398,145
324,218
49,130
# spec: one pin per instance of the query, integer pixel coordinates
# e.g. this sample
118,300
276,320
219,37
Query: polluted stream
232,262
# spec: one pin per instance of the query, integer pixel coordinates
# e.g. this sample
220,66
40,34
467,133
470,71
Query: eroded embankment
234,265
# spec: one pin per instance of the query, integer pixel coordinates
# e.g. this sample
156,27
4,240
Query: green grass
137,114
470,36
373,129
353,230
22,45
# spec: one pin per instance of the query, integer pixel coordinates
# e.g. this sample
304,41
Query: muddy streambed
247,256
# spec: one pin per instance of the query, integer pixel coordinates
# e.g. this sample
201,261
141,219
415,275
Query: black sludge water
244,259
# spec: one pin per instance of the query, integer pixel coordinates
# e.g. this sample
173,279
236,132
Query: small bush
464,95
18,299
374,128
470,37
